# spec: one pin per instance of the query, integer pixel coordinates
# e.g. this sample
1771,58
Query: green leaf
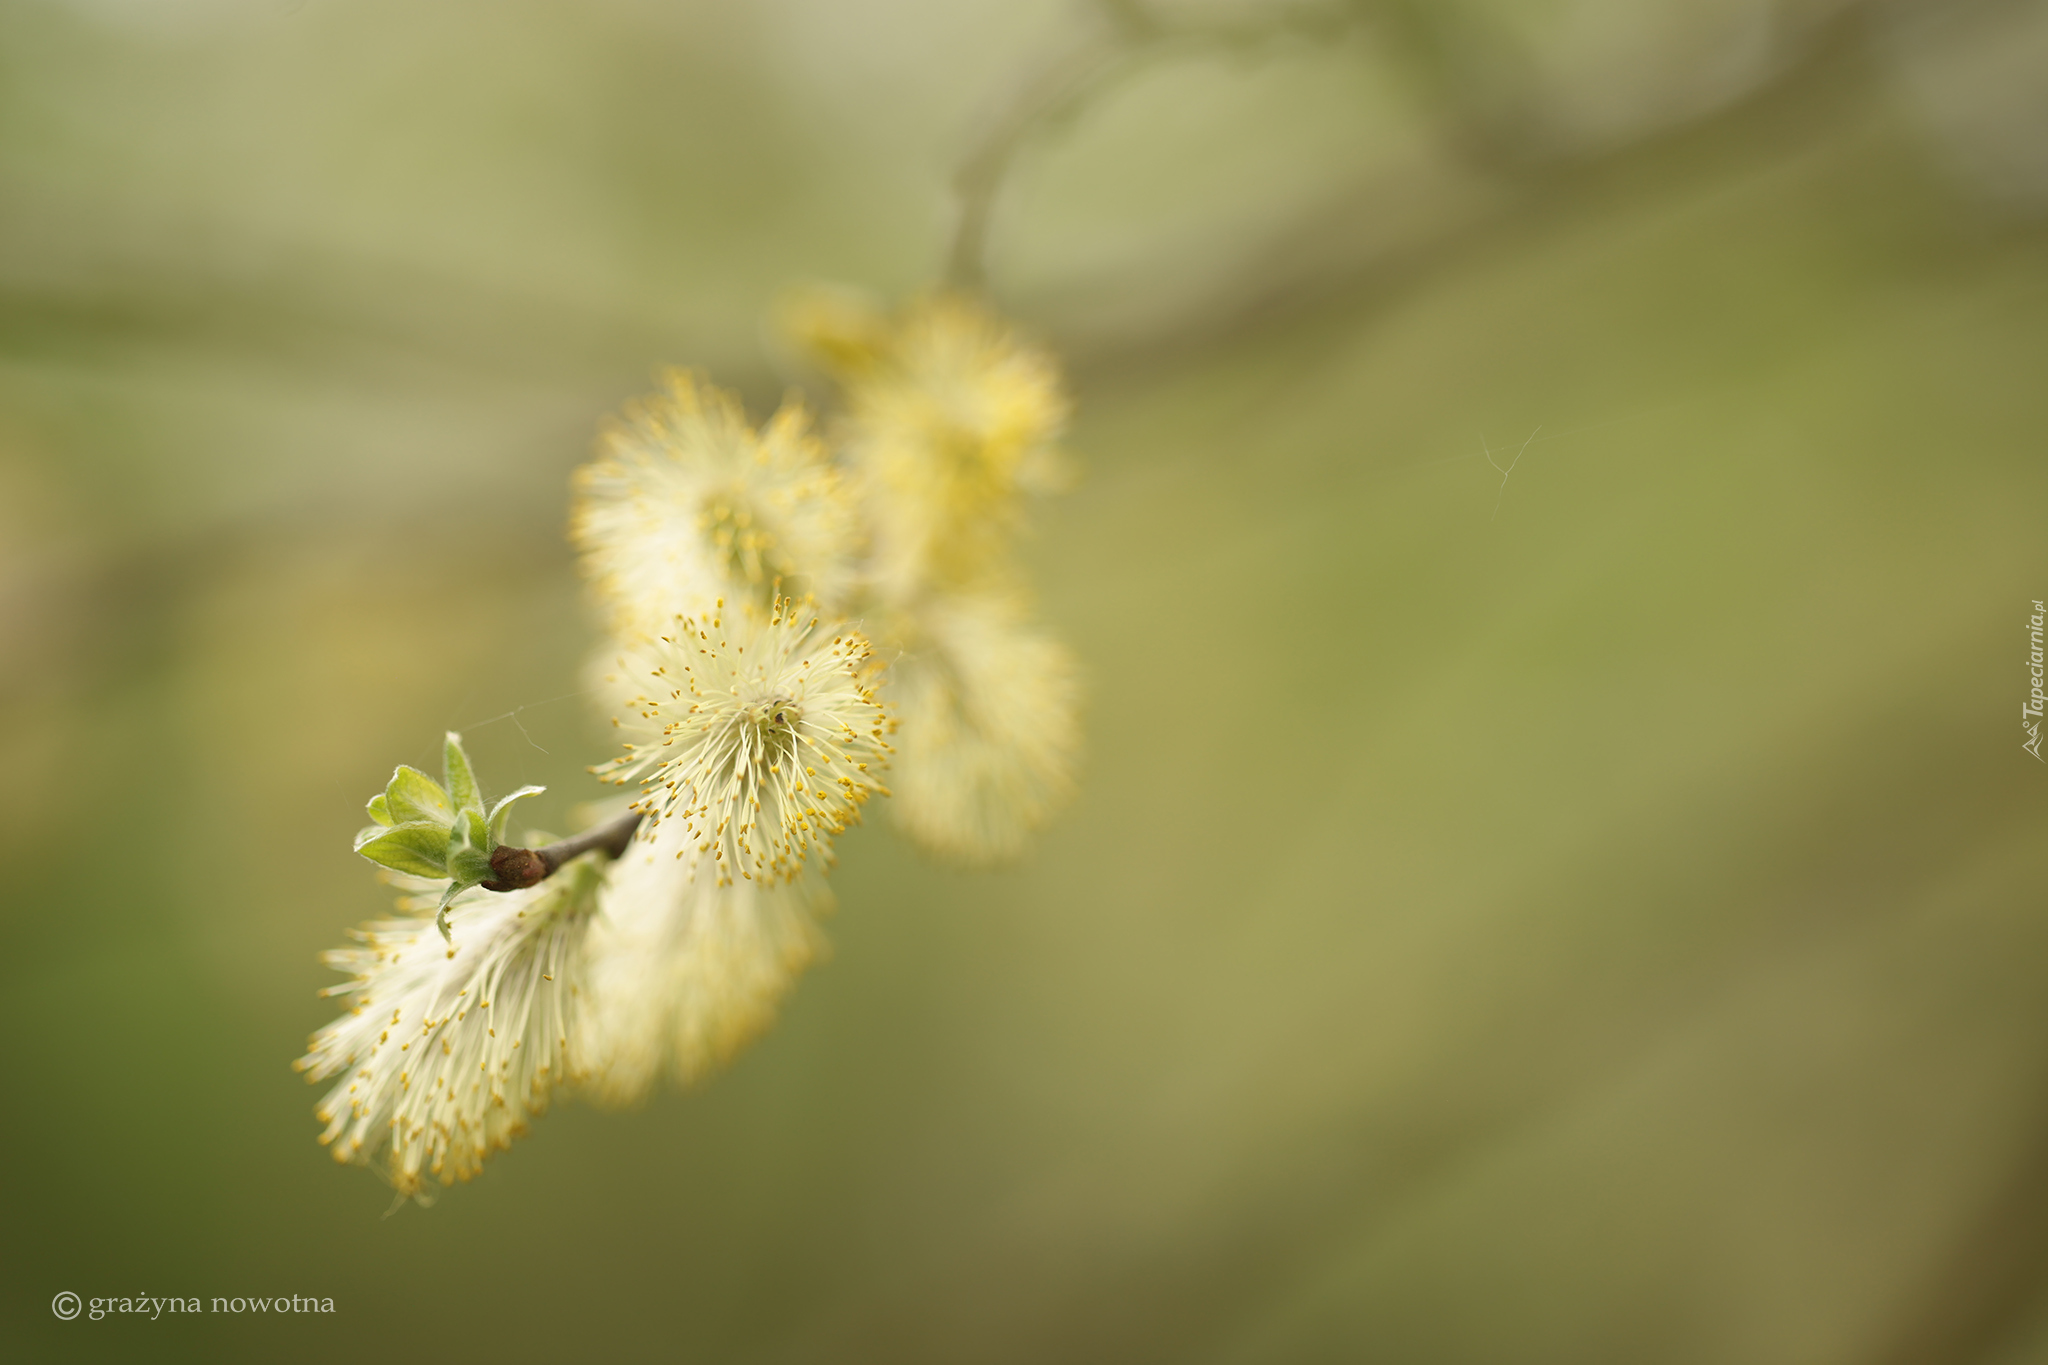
412,795
441,915
380,810
471,830
462,788
468,866
419,847
503,809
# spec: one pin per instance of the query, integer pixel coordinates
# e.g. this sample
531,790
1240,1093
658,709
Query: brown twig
514,868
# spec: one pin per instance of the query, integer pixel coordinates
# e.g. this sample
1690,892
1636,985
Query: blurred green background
1595,915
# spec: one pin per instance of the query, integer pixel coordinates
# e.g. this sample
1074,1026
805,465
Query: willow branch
1061,85
1124,33
514,868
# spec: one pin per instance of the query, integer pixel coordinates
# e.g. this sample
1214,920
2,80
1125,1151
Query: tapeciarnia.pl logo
2030,714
